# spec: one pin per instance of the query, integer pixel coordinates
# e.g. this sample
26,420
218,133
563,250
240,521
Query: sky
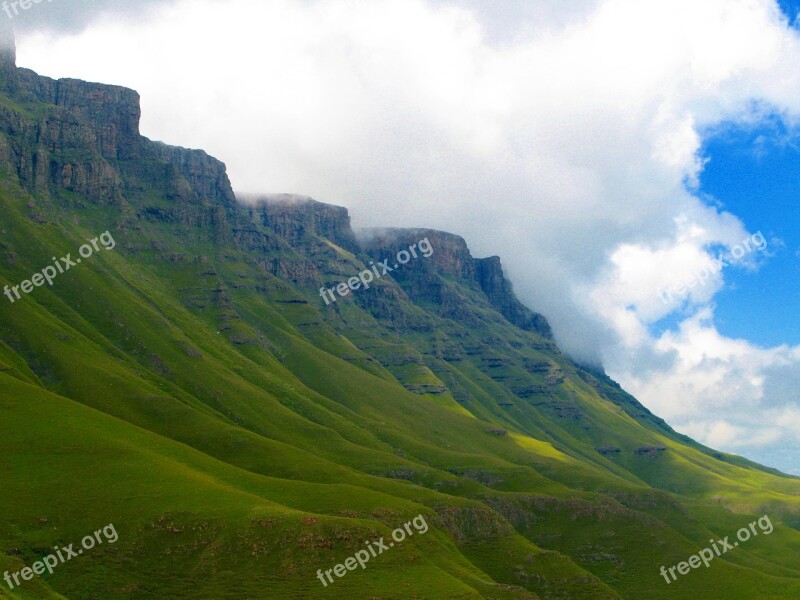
633,162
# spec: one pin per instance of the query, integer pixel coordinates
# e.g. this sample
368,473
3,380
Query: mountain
250,392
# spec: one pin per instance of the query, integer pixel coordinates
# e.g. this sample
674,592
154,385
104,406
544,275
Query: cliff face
110,113
451,255
297,218
84,138
207,177
452,258
490,276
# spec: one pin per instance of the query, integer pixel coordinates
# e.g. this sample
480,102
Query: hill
251,391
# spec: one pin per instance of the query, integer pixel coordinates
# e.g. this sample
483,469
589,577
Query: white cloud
561,135
722,434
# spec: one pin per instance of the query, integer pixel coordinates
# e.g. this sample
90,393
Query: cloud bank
565,139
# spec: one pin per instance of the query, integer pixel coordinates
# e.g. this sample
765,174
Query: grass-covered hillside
189,384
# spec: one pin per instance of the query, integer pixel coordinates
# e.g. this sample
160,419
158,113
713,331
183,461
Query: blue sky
791,8
754,172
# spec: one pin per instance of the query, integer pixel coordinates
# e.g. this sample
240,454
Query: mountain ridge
192,387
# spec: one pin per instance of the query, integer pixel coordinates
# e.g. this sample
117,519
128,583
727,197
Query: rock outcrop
87,141
451,256
501,295
207,177
296,218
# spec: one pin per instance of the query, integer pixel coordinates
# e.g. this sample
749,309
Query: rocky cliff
489,273
298,218
453,258
86,141
80,137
